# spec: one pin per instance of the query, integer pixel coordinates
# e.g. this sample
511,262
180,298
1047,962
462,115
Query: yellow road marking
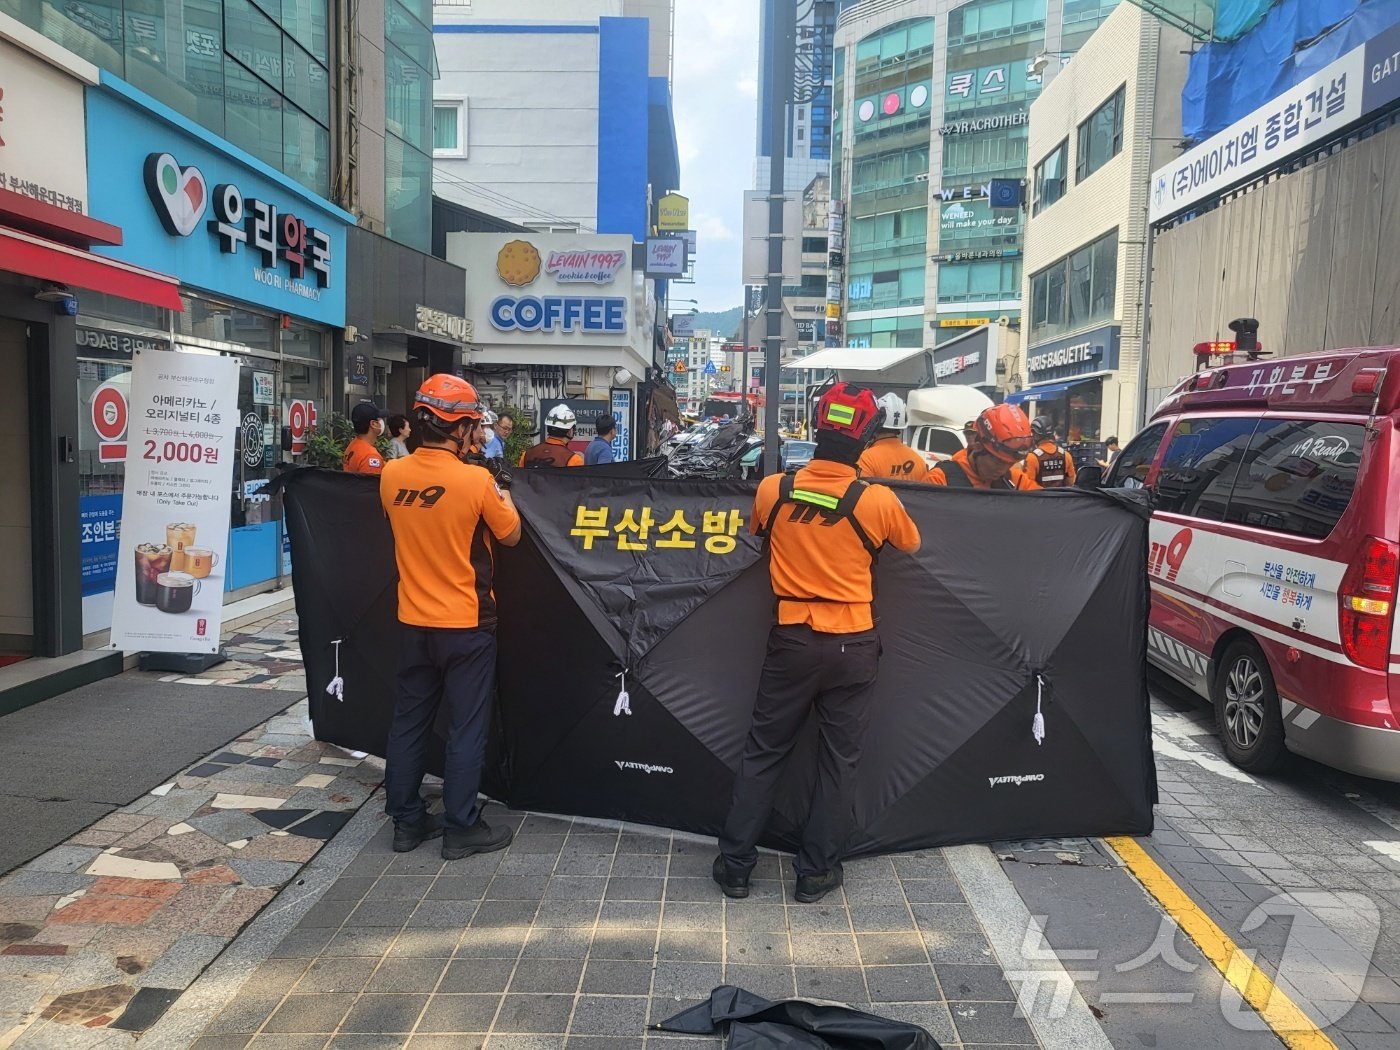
1278,1011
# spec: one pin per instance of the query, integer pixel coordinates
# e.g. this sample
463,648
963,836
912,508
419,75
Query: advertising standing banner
181,443
660,590
622,414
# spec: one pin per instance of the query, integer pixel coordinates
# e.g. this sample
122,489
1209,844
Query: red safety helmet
1005,432
851,411
450,398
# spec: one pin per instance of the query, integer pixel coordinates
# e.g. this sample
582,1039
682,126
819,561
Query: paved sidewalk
585,932
100,935
1302,869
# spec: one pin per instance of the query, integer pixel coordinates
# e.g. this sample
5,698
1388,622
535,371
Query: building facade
933,103
558,118
255,271
1283,211
1100,126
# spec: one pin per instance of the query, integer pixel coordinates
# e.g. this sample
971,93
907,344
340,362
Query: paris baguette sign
288,254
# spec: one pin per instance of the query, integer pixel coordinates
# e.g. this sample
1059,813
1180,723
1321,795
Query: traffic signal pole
782,46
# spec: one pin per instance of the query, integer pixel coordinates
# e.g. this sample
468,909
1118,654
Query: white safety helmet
561,417
895,412
488,418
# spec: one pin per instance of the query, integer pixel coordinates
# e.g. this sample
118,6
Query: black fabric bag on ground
756,1023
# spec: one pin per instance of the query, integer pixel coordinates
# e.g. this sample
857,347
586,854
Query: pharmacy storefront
261,265
557,317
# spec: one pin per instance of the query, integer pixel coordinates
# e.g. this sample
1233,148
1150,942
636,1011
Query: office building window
450,129
1050,178
1076,291
1100,137
253,73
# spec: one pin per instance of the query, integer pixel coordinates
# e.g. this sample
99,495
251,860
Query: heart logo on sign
179,194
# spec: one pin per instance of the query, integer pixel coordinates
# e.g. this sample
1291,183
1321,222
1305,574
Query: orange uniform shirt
1047,448
575,460
812,555
443,513
361,457
1017,479
891,458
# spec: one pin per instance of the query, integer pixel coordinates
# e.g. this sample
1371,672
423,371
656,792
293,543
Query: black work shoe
409,836
736,886
812,888
479,838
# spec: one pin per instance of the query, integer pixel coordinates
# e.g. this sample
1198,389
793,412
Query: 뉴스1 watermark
1327,951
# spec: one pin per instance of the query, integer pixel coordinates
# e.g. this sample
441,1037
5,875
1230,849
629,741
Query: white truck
938,415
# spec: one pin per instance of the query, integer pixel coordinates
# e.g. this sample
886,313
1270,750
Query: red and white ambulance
1275,546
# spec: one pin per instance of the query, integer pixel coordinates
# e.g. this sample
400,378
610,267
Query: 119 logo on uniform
426,498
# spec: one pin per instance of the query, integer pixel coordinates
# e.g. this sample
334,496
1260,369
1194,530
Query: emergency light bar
1223,352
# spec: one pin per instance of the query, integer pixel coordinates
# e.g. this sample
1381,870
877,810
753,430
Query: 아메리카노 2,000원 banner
181,443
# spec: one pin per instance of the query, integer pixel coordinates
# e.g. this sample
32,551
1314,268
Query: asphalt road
1300,869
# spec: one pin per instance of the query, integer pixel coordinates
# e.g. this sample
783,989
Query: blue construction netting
1294,39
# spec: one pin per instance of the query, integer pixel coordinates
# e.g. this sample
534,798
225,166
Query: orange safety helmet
1005,432
450,398
850,410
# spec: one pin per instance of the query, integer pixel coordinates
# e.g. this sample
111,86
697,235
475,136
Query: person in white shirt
399,429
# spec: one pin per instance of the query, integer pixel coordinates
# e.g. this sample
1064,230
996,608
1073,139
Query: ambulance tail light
1366,604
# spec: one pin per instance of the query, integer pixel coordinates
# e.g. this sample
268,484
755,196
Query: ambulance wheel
1247,709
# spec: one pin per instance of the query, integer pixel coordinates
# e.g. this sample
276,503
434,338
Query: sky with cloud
716,105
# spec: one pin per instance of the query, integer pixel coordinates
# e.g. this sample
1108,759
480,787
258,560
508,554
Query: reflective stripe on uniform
821,499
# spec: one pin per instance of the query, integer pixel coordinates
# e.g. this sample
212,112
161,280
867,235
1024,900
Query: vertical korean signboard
181,444
622,415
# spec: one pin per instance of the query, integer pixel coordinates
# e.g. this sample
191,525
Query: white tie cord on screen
1038,723
337,686
624,702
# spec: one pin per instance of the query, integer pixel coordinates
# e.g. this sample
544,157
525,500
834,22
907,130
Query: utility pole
744,383
781,58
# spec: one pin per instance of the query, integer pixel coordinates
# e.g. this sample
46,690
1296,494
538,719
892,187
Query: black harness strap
844,509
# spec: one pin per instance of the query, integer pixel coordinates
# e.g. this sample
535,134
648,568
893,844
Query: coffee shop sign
439,322
1065,355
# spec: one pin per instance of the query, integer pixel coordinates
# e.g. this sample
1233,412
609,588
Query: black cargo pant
448,668
804,669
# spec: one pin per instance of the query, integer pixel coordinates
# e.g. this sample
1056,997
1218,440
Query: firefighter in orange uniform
361,454
996,441
1048,464
554,450
888,456
446,514
824,528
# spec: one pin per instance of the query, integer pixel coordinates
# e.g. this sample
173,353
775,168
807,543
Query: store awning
47,260
1047,391
861,359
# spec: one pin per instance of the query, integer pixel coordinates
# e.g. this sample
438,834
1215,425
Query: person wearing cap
494,448
823,527
996,442
599,450
362,456
446,516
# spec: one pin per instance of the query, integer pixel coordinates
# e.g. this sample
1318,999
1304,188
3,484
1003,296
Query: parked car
793,454
1275,545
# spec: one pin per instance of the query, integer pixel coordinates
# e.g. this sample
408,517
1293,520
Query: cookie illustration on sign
518,263
179,194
